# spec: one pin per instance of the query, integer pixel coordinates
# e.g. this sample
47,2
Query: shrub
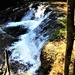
59,32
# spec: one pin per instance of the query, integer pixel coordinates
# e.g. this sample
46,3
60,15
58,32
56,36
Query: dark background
9,3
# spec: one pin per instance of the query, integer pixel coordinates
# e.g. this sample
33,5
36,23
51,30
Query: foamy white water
28,48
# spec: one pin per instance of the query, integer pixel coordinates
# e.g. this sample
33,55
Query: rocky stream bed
9,35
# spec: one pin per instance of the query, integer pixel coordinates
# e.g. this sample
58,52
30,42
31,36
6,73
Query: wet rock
35,5
47,10
16,31
15,66
9,3
47,57
14,13
5,40
1,31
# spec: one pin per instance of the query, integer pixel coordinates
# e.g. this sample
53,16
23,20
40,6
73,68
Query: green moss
70,73
60,32
63,21
27,74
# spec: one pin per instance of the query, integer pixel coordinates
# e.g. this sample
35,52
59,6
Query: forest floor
54,56
54,51
62,6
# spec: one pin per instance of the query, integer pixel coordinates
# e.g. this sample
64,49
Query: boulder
48,57
9,3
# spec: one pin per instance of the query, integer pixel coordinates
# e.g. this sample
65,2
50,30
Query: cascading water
28,47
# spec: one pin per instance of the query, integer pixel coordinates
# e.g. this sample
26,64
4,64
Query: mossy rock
47,56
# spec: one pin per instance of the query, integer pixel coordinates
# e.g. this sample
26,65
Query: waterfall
28,47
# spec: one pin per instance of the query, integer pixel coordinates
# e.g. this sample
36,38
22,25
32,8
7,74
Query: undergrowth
59,32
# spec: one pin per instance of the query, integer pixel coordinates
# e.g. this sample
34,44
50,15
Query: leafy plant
60,32
63,21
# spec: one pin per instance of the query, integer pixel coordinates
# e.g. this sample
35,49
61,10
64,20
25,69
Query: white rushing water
28,48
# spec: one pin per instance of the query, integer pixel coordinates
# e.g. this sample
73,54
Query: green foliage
57,34
70,73
27,74
60,32
63,22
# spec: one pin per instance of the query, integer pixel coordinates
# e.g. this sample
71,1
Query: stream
31,32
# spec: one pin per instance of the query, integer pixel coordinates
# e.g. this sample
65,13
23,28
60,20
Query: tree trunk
70,36
7,70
